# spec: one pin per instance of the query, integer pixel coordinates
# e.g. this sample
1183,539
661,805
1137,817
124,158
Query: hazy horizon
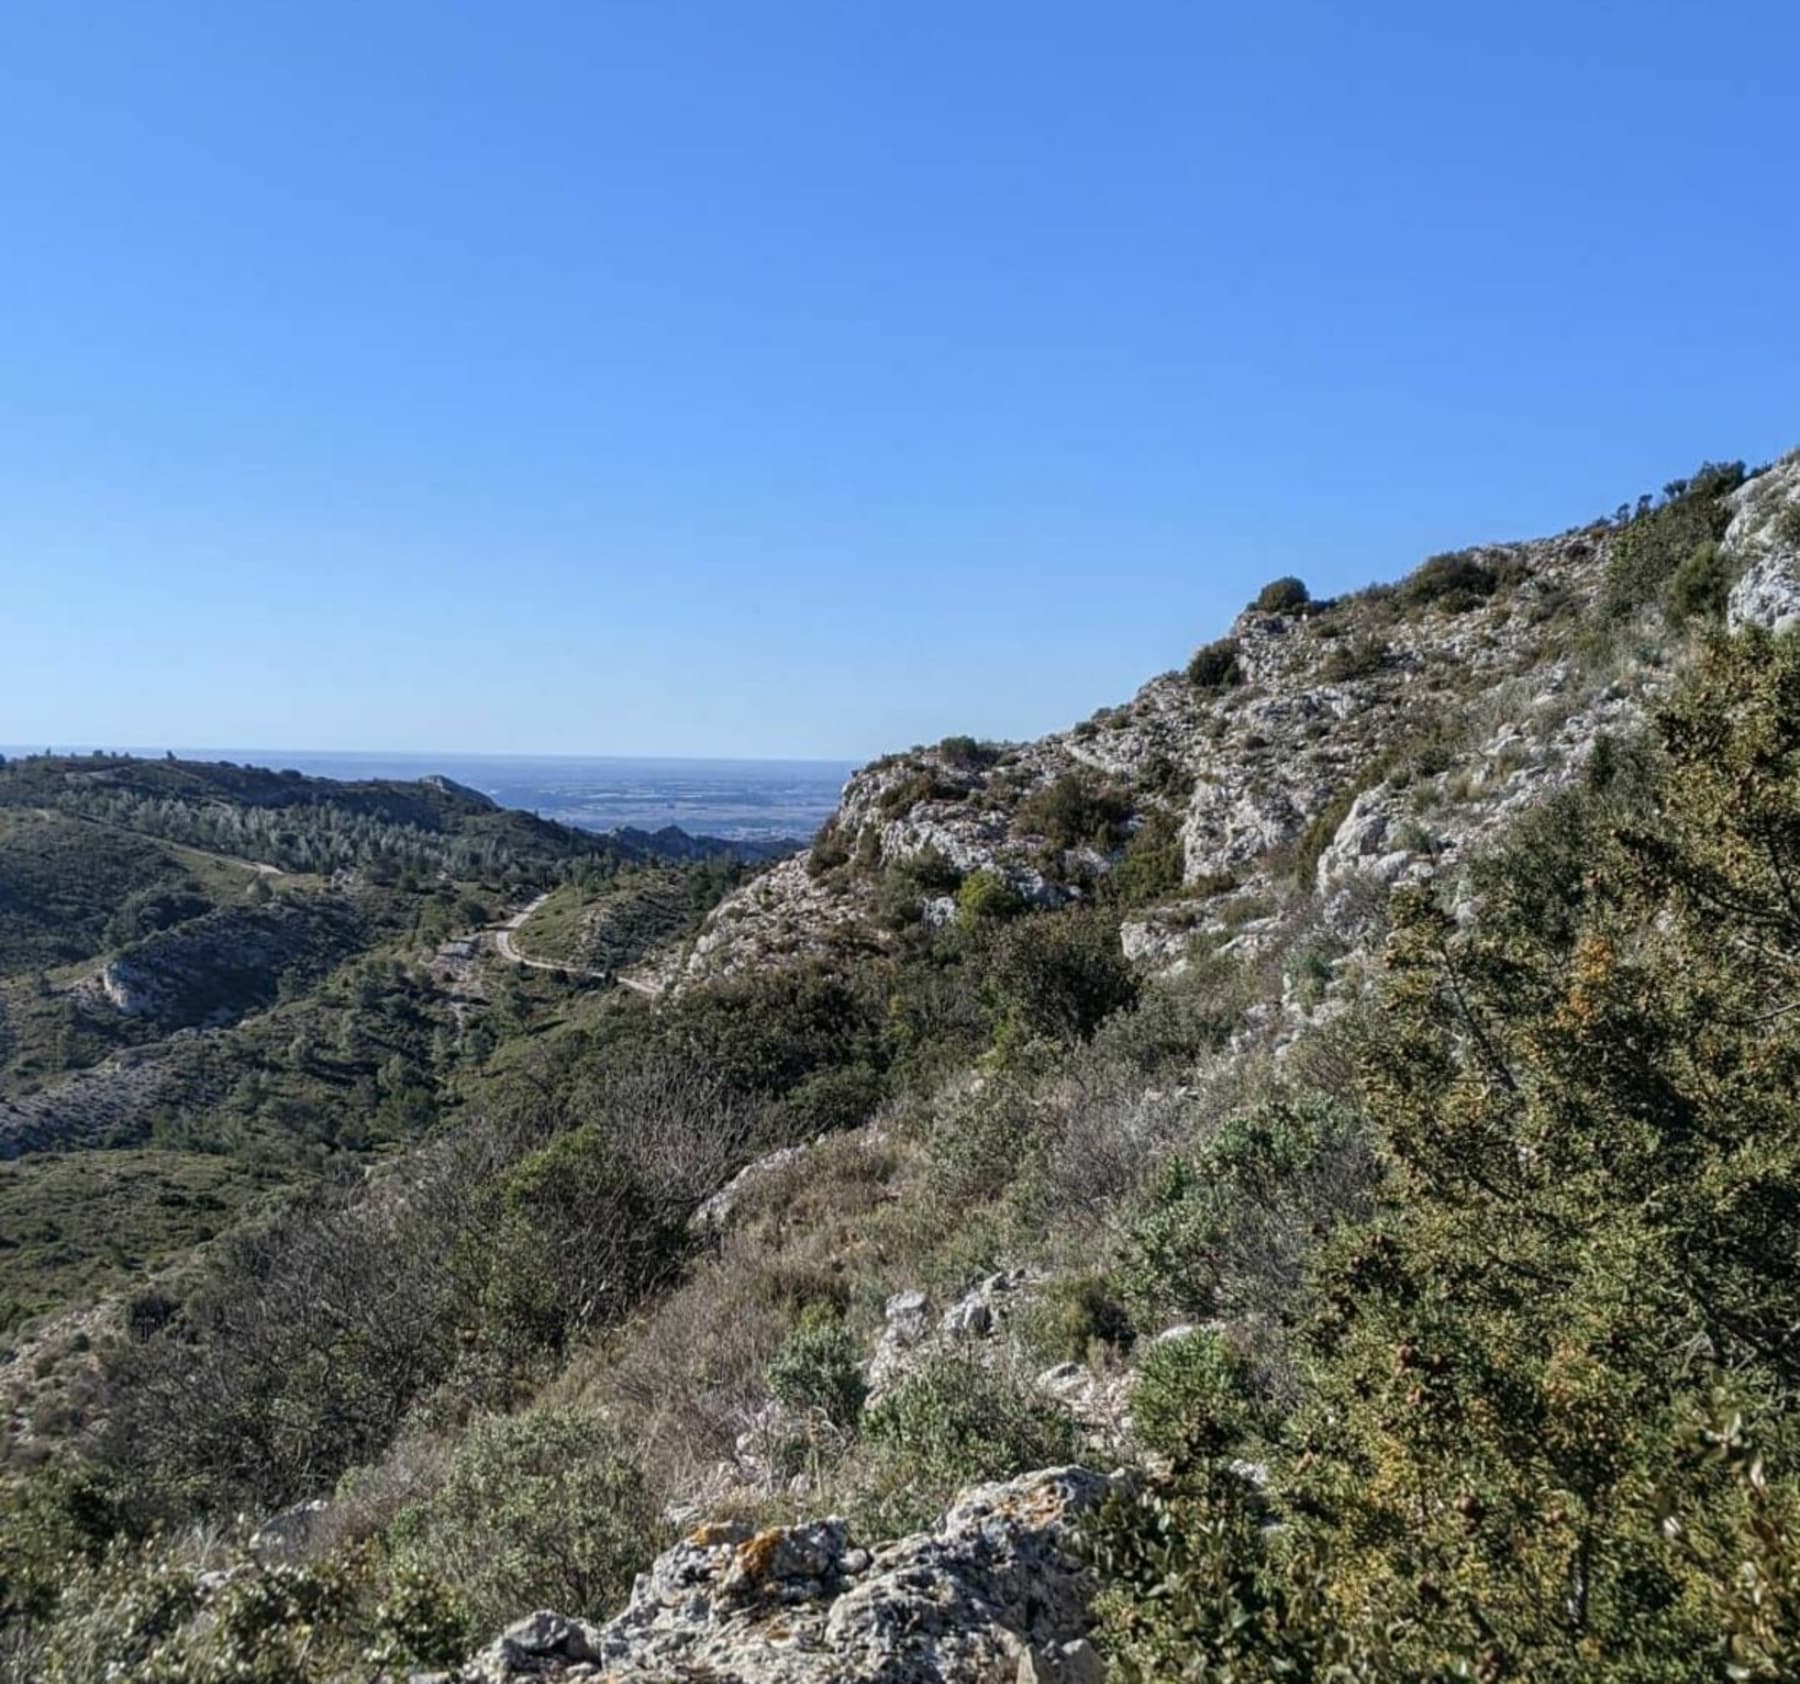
269,756
740,798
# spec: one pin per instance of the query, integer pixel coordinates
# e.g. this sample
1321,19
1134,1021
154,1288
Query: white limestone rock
994,1591
1764,539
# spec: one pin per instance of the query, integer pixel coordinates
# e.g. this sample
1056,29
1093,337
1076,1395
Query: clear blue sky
819,376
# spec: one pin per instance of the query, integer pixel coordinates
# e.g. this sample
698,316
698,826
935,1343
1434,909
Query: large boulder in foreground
994,1593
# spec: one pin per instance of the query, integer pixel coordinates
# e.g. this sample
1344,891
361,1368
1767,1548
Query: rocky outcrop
783,915
994,1592
113,1101
1381,735
911,1334
1764,541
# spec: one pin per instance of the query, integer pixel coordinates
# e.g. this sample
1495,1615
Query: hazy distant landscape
741,800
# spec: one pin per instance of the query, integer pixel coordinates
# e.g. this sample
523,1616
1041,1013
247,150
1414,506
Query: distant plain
743,800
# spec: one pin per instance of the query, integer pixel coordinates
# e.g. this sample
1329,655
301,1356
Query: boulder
994,1592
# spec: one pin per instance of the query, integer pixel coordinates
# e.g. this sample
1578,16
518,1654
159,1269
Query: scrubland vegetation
1483,1291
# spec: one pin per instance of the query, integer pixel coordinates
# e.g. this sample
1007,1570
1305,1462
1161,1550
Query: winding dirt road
507,948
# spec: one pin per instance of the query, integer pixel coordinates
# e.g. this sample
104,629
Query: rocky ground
993,1592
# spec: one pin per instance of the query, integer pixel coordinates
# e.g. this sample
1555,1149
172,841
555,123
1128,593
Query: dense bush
543,1509
1195,1397
51,1523
1153,864
1214,666
1453,582
155,1616
819,1367
1286,595
1699,586
969,754
1354,658
985,897
579,1234
829,849
923,784
1178,1020
309,1339
953,1422
1228,1228
980,1143
1665,539
1076,810
1060,975
1548,1424
1078,1318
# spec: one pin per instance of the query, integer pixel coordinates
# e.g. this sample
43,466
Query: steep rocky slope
1348,748
1366,740
1343,746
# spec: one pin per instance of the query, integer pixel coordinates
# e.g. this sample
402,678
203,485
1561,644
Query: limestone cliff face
1352,746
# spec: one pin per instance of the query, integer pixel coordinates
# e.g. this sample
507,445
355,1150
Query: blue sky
793,377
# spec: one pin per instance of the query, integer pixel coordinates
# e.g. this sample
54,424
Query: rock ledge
995,1592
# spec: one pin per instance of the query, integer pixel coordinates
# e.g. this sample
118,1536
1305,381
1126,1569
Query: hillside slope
1348,745
1349,1087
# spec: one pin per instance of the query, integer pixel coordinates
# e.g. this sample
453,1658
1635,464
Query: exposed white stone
1764,540
994,1591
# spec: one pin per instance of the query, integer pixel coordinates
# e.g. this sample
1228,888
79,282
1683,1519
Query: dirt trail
507,948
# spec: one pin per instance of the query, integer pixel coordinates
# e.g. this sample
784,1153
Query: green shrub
824,1102
148,1616
829,849
1215,665
909,792
968,753
1787,526
1699,586
1191,1568
927,872
1177,1019
1357,657
1282,596
1547,1425
1060,975
1655,544
580,1236
979,1145
1195,1396
952,1424
1076,810
542,1509
50,1522
1076,1318
819,1367
986,897
1154,860
1454,582
1229,1228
